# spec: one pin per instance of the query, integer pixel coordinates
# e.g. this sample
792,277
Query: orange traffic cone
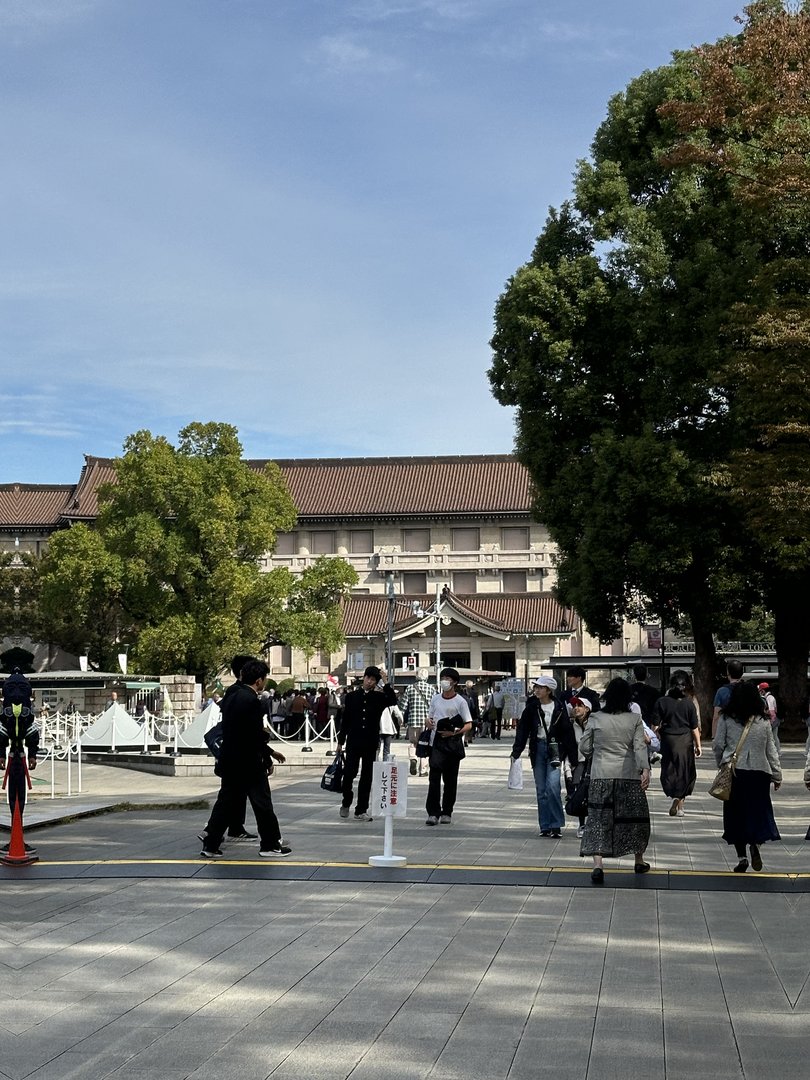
16,854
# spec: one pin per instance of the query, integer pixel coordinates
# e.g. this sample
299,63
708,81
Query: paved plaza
490,955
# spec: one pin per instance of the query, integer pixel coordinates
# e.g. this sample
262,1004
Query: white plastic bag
515,781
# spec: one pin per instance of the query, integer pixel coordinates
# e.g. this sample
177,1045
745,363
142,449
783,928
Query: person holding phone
449,720
546,726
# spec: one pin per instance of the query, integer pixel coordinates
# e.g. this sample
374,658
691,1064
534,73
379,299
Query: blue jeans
549,794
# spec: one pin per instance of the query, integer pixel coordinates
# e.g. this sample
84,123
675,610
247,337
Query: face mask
446,684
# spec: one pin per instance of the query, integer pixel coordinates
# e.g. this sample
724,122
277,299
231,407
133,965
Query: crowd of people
591,755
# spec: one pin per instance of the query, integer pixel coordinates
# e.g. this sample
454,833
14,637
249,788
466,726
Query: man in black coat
360,731
575,687
245,760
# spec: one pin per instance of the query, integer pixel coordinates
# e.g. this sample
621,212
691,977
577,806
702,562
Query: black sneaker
280,852
206,854
237,838
413,767
556,834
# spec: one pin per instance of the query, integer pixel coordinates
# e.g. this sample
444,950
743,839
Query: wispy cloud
345,54
452,10
36,413
42,14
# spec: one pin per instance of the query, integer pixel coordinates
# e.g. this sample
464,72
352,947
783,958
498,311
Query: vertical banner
389,789
122,662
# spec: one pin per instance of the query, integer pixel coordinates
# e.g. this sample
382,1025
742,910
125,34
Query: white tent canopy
114,727
192,737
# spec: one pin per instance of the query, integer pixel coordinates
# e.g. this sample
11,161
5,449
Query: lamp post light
413,606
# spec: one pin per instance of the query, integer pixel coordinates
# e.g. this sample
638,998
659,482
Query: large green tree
629,344
173,567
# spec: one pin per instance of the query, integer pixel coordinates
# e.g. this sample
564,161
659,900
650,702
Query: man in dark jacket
245,760
360,731
236,826
575,687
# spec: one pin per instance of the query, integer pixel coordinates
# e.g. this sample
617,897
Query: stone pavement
124,956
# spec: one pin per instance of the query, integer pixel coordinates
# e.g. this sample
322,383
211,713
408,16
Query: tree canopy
174,565
655,346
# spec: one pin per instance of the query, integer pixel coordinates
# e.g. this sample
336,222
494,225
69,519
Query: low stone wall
196,764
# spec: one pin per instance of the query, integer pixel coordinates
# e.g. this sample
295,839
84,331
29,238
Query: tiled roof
371,488
361,488
521,613
32,505
84,502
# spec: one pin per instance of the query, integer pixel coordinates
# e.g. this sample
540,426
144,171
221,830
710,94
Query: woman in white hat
546,727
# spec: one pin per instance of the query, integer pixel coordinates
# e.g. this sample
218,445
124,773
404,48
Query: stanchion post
332,737
112,748
53,775
69,784
79,759
306,748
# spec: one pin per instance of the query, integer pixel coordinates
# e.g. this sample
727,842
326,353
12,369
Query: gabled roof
83,504
33,506
496,613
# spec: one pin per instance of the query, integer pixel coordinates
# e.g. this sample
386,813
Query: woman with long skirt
676,721
748,820
618,819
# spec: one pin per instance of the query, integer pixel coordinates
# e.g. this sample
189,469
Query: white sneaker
580,831
363,817
445,819
432,820
344,811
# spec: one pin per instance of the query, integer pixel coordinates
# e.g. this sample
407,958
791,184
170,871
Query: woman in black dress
676,721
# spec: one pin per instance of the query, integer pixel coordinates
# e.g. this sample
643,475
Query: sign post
389,799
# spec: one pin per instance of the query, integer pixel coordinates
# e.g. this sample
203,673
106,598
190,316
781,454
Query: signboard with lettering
389,789
514,698
654,637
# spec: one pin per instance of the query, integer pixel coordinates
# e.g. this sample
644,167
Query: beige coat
759,749
616,741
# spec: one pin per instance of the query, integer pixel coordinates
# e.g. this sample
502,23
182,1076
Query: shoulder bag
721,785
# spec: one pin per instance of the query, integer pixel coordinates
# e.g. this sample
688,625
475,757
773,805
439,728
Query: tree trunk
792,638
704,673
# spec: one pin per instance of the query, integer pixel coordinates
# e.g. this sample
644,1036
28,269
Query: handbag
332,779
423,744
721,785
515,780
577,801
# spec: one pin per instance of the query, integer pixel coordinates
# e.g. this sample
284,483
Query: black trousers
236,824
17,785
358,758
442,802
495,725
232,794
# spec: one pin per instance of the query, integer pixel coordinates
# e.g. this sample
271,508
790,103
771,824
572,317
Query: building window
361,541
416,539
515,538
465,581
285,544
323,543
514,581
465,539
281,658
414,583
498,661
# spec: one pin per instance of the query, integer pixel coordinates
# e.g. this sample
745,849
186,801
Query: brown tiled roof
366,488
416,487
84,502
522,613
33,506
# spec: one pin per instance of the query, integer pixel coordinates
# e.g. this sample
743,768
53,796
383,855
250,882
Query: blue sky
292,215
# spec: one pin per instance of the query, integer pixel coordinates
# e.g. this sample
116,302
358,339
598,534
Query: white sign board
514,698
389,789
